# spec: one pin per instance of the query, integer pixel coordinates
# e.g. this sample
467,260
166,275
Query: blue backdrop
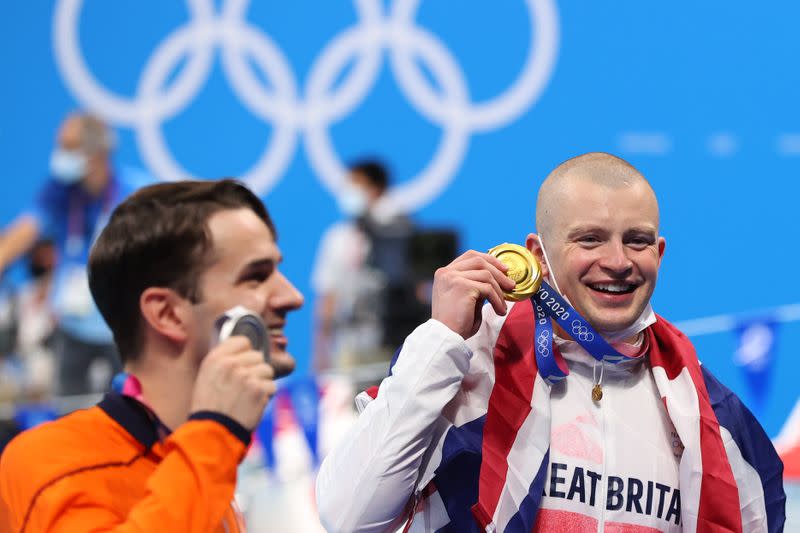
699,96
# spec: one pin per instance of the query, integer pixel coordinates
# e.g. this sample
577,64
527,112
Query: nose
615,259
285,297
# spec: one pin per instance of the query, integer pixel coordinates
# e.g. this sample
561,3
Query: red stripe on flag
719,497
509,406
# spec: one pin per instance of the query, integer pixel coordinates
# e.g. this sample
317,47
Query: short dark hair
159,237
374,170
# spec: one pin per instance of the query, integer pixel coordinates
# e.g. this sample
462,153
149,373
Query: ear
532,244
165,312
662,245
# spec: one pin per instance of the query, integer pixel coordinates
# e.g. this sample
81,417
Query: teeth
613,287
275,331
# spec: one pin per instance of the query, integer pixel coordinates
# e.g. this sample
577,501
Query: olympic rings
581,332
309,113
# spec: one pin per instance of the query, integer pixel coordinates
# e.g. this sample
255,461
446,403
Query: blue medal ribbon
547,303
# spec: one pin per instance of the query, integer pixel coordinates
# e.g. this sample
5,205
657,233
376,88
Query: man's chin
282,363
610,322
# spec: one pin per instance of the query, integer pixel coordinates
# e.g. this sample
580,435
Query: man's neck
97,183
167,387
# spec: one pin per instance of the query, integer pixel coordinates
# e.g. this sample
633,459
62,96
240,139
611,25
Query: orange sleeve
190,490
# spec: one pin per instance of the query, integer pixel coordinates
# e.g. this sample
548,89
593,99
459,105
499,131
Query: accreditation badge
75,298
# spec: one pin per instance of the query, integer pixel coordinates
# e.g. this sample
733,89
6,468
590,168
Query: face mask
353,201
552,276
67,166
646,318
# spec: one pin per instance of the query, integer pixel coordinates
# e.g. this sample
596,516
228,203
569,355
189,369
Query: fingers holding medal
460,288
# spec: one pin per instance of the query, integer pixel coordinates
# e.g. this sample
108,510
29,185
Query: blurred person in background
36,322
73,205
161,453
26,328
361,274
26,358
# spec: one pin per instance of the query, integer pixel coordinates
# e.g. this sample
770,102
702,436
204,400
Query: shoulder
55,449
340,233
733,415
52,196
731,412
752,442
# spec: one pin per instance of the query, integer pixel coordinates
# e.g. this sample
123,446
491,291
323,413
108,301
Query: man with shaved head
592,200
578,409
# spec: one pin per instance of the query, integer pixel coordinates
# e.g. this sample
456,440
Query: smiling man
486,423
602,219
161,453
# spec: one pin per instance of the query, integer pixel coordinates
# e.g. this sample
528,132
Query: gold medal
597,393
523,268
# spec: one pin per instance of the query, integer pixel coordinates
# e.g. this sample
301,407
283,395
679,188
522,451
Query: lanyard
76,230
547,303
129,386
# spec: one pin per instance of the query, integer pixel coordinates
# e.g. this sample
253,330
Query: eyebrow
581,230
649,230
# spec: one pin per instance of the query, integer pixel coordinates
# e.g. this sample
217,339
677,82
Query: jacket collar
132,416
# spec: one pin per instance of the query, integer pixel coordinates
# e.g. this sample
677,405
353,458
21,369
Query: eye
589,240
256,276
640,242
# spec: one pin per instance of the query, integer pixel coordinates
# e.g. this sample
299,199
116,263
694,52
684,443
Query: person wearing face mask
160,452
594,415
72,206
359,263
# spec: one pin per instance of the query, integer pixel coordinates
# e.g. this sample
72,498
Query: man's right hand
234,380
460,288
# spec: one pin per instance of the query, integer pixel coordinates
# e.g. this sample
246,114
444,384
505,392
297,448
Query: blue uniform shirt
73,219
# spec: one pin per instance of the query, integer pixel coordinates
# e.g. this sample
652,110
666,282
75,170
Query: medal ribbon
548,303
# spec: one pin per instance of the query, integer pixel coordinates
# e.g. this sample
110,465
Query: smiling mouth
277,337
613,288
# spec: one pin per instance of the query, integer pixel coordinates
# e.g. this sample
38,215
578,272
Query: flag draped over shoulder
488,469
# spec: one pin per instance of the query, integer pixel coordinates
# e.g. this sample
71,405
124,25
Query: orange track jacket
105,469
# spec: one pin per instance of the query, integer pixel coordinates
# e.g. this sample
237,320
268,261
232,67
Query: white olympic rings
543,344
312,112
581,332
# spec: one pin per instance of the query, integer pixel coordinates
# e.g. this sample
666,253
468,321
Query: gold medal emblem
523,268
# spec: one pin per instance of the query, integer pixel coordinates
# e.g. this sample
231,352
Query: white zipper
603,492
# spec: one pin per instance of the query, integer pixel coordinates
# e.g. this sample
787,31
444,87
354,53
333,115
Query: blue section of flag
458,472
525,518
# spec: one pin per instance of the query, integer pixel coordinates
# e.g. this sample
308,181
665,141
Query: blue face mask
67,166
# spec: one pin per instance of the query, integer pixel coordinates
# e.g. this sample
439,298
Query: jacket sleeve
190,490
367,482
